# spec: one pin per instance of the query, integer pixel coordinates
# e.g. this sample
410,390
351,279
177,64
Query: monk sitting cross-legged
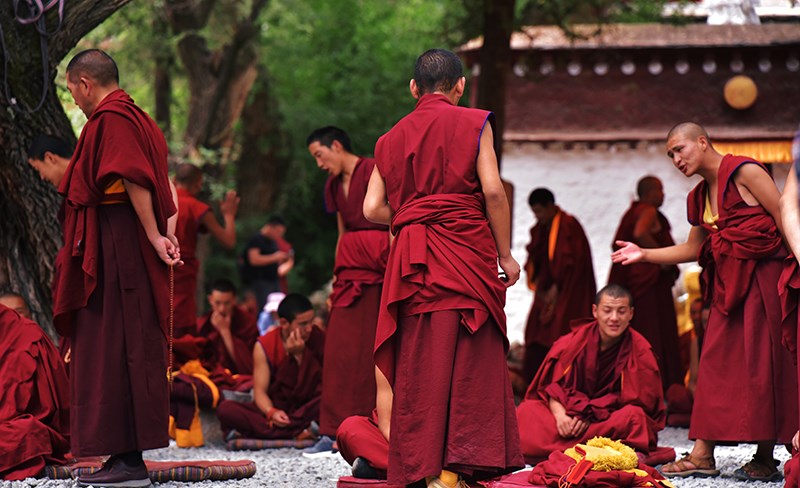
287,378
602,379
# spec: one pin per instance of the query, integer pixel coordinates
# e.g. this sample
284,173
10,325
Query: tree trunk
162,79
495,60
29,231
262,163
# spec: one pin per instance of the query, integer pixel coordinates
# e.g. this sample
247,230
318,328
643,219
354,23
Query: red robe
190,217
360,436
293,388
110,290
349,372
617,391
651,286
244,333
571,271
441,339
34,411
742,356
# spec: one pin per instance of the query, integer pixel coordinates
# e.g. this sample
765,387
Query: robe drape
294,388
190,216
742,356
570,270
627,404
360,437
34,399
348,386
651,287
110,288
441,339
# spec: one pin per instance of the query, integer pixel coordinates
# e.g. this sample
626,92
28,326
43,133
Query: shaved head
95,65
647,185
437,70
688,129
188,174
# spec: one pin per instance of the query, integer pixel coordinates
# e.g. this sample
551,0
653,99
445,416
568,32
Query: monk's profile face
222,302
686,152
47,168
613,316
80,90
328,158
17,304
303,322
544,213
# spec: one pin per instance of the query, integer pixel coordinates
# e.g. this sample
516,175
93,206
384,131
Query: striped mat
258,444
161,471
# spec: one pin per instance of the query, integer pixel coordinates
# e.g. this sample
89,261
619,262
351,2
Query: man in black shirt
261,259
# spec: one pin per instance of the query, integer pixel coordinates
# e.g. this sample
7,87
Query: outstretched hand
230,204
628,253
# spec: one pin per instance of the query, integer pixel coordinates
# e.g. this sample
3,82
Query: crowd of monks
407,377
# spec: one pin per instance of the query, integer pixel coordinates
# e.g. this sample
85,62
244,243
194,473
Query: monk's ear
594,311
284,323
48,158
460,85
412,86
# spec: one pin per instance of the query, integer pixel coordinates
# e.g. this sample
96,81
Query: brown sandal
758,470
690,465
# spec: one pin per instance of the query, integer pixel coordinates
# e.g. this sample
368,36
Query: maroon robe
190,216
110,290
34,411
441,339
742,357
360,437
617,391
244,333
294,388
651,286
572,272
349,372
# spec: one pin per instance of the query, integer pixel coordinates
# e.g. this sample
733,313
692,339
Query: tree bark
495,60
30,235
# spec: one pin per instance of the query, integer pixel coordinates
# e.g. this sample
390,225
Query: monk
364,441
195,217
348,386
601,379
287,378
441,340
34,411
110,290
651,284
746,385
49,156
560,272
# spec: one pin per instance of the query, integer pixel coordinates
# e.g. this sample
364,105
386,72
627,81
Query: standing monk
746,385
560,271
441,338
111,278
651,284
194,217
348,384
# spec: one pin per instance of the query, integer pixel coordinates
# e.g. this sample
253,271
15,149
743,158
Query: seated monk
364,441
215,360
287,378
601,379
34,404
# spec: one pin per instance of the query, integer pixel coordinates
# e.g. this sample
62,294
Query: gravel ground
288,468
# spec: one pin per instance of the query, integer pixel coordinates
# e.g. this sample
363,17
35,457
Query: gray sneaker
323,448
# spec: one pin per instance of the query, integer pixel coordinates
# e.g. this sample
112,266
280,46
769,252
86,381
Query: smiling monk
747,387
601,379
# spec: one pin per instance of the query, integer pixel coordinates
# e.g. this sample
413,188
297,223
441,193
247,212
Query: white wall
596,186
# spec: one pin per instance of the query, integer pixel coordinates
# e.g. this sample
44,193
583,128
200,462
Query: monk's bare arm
497,211
383,403
790,214
172,222
340,226
261,380
630,253
257,259
376,205
143,205
761,188
228,207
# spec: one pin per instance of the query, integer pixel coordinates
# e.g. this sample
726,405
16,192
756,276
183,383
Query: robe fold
742,356
617,391
190,215
294,388
568,266
651,287
34,404
348,386
441,330
110,291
